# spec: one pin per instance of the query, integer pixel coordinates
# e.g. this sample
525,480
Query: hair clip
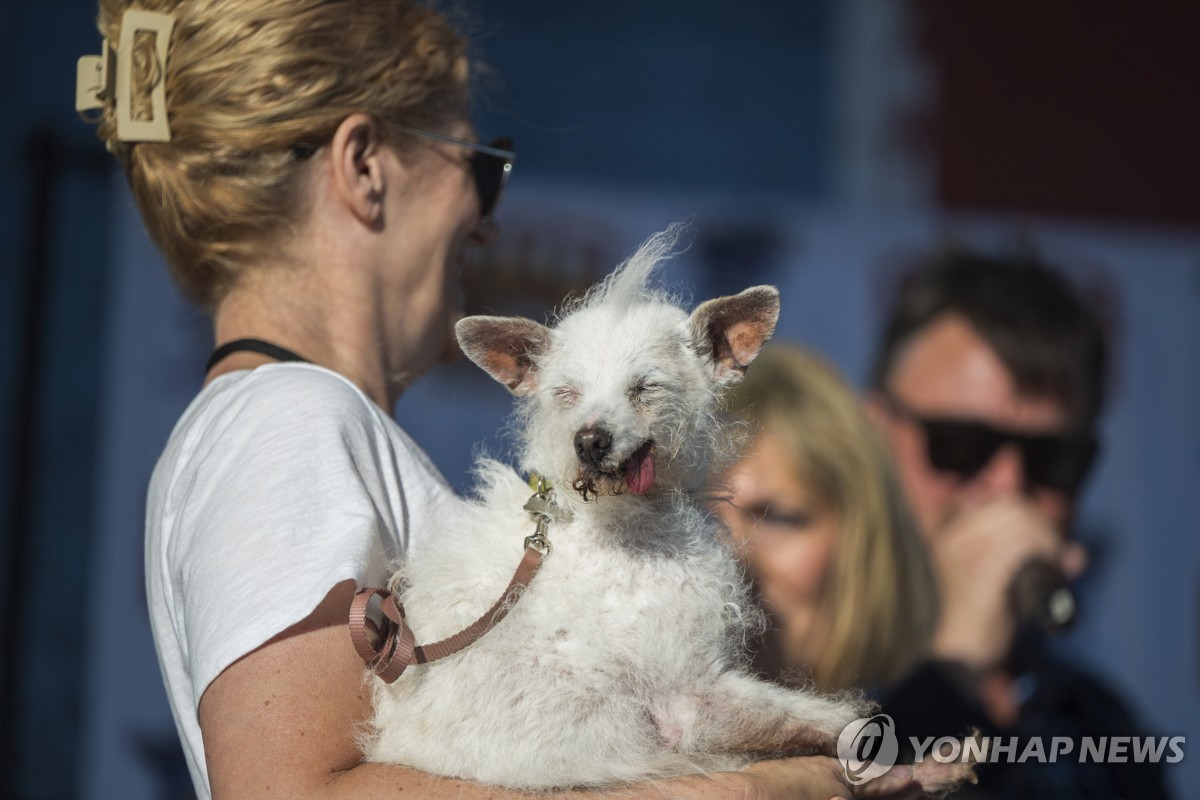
94,77
101,78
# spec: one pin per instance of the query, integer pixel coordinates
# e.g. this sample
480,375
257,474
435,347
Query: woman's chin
451,351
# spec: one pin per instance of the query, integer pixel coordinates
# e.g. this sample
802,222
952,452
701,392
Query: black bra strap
254,346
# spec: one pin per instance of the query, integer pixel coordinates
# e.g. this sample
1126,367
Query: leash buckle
541,507
538,540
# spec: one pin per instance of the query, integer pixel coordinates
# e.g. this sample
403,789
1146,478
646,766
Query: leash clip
541,507
538,540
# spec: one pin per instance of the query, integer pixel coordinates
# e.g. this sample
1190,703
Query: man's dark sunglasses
964,447
491,164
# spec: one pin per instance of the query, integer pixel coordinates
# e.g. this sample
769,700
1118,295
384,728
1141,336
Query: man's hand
977,554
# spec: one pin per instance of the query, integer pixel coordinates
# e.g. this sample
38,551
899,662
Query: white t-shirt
277,484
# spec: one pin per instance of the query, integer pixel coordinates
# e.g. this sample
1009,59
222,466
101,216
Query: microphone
1041,599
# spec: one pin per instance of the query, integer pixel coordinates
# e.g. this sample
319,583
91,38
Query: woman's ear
359,180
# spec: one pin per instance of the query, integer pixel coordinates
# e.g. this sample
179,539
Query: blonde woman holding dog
818,517
309,171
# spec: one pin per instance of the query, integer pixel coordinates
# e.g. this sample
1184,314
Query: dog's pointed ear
506,348
729,331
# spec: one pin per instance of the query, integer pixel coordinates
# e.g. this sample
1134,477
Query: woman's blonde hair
880,602
251,85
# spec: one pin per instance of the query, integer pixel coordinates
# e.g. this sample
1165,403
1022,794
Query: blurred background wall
820,145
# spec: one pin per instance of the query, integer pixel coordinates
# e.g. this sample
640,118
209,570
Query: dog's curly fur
624,659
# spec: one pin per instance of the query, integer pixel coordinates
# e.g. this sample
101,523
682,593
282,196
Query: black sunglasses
964,447
491,164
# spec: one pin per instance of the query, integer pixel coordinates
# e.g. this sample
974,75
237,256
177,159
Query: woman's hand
822,778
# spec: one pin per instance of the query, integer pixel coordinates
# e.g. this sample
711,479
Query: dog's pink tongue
639,469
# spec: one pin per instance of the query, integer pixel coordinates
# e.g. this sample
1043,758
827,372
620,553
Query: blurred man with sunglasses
989,384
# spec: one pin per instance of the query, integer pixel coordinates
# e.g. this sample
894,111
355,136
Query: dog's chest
638,607
666,603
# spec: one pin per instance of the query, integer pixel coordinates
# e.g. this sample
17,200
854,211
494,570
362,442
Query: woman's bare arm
280,722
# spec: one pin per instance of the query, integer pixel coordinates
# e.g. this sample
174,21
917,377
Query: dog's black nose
591,444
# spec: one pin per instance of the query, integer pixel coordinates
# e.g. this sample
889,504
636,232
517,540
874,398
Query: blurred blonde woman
816,513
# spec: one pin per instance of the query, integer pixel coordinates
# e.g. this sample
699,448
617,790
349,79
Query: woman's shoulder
290,389
286,415
281,401
294,437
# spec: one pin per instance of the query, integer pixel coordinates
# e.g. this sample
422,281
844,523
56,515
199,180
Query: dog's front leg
738,713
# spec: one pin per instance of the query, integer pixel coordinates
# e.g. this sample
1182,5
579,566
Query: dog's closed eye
645,390
567,395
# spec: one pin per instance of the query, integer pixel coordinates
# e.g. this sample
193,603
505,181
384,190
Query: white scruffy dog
623,660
